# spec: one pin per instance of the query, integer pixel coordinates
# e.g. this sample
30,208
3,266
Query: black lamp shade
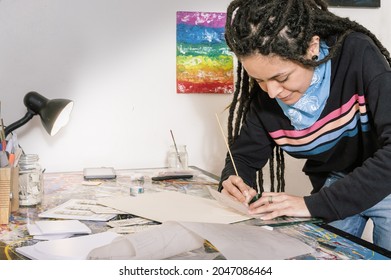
54,113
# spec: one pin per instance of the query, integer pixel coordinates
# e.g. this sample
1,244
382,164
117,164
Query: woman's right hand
235,187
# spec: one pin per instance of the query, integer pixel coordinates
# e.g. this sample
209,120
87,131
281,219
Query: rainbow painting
203,61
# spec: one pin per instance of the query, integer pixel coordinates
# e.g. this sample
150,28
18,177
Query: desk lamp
54,113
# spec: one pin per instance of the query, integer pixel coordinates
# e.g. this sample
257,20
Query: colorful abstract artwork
203,61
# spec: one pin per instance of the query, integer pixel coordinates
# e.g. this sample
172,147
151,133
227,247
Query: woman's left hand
274,205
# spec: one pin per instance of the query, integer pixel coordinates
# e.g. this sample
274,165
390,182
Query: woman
317,86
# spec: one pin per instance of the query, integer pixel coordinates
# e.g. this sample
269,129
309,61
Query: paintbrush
176,148
233,163
226,143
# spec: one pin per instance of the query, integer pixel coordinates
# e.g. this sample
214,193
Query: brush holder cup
178,157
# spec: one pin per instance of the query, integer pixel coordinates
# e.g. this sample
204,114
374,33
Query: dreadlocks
284,28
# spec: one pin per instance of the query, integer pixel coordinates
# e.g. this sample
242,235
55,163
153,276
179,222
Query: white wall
116,60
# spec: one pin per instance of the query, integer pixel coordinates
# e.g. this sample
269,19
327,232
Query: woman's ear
314,48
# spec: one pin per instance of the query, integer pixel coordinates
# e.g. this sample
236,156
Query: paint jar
178,157
136,190
30,180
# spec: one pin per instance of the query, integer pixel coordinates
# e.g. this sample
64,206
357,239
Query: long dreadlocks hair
284,28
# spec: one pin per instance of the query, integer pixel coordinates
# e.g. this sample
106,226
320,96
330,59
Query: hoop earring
315,57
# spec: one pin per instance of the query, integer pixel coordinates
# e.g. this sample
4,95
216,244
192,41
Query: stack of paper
49,230
171,239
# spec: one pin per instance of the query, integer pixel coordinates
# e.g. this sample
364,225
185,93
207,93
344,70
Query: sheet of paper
78,209
230,203
245,242
34,230
76,248
52,236
175,206
167,240
62,226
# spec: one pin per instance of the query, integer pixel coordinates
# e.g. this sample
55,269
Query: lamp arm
9,128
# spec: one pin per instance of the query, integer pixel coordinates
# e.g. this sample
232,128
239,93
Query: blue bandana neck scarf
306,111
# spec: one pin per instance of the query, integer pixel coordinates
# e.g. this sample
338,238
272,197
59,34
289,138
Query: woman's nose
273,88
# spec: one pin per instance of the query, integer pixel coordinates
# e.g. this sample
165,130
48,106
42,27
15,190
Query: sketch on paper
203,61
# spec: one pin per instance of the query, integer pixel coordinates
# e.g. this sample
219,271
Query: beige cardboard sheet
174,206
